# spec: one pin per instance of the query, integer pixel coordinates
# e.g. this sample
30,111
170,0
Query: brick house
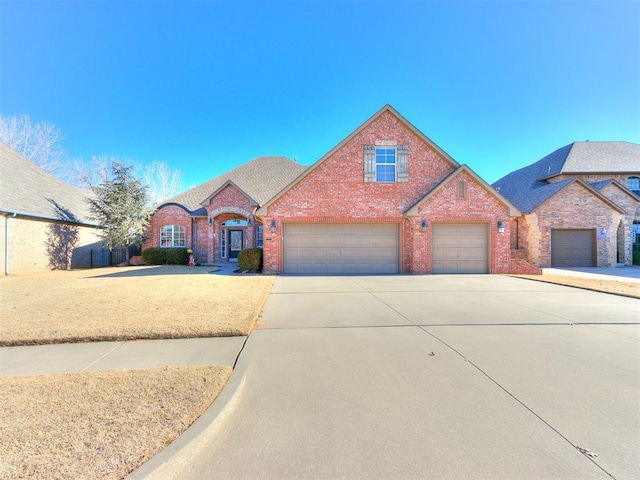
216,219
45,221
579,204
388,200
384,200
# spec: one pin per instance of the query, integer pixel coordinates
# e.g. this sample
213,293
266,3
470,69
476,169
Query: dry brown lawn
98,425
128,303
618,287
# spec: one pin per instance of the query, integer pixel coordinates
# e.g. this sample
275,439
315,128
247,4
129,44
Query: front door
235,243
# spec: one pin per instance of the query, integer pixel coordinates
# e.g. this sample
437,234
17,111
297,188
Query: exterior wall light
273,226
423,226
249,222
500,226
210,222
603,231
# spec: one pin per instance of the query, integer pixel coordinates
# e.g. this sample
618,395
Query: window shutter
369,163
402,161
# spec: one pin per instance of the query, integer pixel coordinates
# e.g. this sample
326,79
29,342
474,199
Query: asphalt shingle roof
526,189
26,188
261,179
602,157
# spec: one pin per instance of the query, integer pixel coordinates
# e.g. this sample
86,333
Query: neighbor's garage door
460,248
572,248
341,248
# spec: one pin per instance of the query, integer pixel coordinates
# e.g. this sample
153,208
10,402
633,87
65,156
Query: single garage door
572,248
341,248
460,248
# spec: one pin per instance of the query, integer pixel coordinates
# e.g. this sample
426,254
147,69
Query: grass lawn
106,424
128,303
100,425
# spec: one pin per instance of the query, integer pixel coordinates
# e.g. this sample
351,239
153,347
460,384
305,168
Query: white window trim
260,236
223,243
173,236
395,163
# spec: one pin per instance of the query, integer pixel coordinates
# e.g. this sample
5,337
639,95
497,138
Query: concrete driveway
425,377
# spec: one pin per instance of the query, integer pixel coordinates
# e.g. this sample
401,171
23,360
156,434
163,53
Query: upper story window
172,236
633,184
386,162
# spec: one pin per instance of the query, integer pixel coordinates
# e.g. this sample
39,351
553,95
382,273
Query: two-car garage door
363,248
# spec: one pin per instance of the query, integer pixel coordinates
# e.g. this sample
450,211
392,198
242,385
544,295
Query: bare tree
162,181
40,142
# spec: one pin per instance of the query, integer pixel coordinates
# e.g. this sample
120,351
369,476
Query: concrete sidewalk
425,377
623,274
97,356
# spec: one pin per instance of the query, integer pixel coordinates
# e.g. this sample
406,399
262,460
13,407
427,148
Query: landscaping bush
165,256
250,259
636,258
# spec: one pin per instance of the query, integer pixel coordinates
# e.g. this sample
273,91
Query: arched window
633,184
172,236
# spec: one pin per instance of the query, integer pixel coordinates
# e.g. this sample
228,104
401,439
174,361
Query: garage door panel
341,248
460,248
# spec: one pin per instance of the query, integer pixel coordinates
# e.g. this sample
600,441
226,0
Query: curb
177,456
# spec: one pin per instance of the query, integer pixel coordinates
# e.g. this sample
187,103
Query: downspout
6,242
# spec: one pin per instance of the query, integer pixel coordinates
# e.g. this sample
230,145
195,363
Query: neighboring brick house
388,200
45,221
580,205
216,219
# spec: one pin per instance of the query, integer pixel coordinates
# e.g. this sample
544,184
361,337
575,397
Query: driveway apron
429,377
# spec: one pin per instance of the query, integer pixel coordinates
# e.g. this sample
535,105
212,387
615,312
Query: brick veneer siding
630,206
202,238
335,192
229,203
574,207
477,206
28,238
168,215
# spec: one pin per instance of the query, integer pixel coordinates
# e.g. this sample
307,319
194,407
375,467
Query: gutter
14,213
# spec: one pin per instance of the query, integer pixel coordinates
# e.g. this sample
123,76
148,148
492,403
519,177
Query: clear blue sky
208,85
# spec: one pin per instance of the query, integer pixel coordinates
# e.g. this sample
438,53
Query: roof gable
207,201
513,211
601,185
587,187
387,109
527,187
258,179
27,189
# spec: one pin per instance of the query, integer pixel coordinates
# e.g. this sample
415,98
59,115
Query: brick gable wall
572,208
477,206
335,192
